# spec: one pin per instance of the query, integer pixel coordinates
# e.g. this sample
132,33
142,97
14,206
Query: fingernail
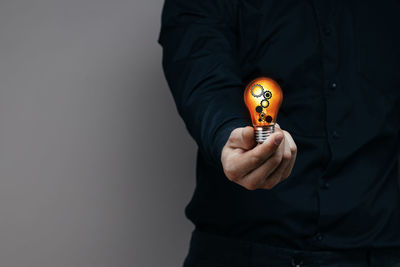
276,124
278,139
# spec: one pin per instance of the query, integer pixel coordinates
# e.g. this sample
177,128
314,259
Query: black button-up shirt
338,63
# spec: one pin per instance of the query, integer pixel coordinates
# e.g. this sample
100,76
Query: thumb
267,148
247,140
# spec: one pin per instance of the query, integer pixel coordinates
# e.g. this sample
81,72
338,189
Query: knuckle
276,159
233,176
250,186
230,172
293,149
227,167
224,155
256,160
284,175
272,181
233,137
269,185
235,134
287,156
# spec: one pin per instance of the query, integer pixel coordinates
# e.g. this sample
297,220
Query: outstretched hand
255,166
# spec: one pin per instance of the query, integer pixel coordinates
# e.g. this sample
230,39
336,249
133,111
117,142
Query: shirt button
319,236
333,85
297,261
335,135
325,185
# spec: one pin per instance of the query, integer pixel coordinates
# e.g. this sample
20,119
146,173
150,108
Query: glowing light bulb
263,97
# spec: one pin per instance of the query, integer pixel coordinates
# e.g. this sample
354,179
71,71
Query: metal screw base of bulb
261,133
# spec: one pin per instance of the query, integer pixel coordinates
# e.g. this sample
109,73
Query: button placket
330,61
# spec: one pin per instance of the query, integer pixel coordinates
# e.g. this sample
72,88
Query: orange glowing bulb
263,97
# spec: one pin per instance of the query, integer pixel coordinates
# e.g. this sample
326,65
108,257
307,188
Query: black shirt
338,63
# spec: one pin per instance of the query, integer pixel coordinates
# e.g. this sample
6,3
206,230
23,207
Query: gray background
96,167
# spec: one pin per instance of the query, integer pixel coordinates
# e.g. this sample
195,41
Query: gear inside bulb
257,90
267,94
262,117
264,103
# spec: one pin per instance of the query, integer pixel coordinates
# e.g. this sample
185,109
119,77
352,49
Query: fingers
255,157
237,163
293,151
261,176
278,174
263,151
262,165
285,168
276,169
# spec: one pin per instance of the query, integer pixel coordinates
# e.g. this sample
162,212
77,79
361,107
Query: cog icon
264,103
257,90
267,94
262,117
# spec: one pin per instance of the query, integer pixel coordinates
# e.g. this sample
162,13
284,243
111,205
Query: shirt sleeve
201,66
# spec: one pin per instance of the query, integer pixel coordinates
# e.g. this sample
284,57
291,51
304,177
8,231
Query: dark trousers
208,250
